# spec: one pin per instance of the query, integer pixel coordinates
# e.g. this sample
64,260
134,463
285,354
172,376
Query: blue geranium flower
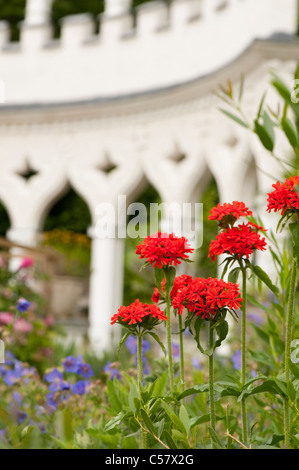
17,397
56,381
11,377
79,388
53,375
23,305
71,364
113,371
85,370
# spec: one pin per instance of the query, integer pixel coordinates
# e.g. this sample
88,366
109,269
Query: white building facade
137,93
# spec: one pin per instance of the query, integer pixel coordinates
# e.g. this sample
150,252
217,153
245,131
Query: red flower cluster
228,213
205,297
284,196
163,249
136,312
179,283
240,241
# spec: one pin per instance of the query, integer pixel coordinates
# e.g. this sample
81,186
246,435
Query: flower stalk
288,340
182,364
211,380
243,353
169,346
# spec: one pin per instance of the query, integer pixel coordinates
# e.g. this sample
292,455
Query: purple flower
2,434
53,399
21,416
255,318
175,351
237,359
23,305
71,364
85,370
11,377
54,375
79,387
196,363
17,397
112,371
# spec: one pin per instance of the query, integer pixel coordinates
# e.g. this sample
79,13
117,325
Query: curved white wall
192,39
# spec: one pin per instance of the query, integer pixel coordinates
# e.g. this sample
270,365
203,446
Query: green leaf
263,276
68,430
156,338
132,395
273,386
291,391
178,423
112,397
215,438
180,437
222,331
170,273
294,369
234,117
169,440
197,327
147,422
233,275
264,136
123,339
184,417
294,227
200,388
290,131
159,277
201,420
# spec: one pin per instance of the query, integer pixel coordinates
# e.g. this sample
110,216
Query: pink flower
6,318
26,262
49,320
22,326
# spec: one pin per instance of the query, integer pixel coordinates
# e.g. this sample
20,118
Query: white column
22,236
106,288
37,12
117,7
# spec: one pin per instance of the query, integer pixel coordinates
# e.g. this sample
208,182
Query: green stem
243,354
168,334
139,380
139,364
288,340
182,365
211,381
